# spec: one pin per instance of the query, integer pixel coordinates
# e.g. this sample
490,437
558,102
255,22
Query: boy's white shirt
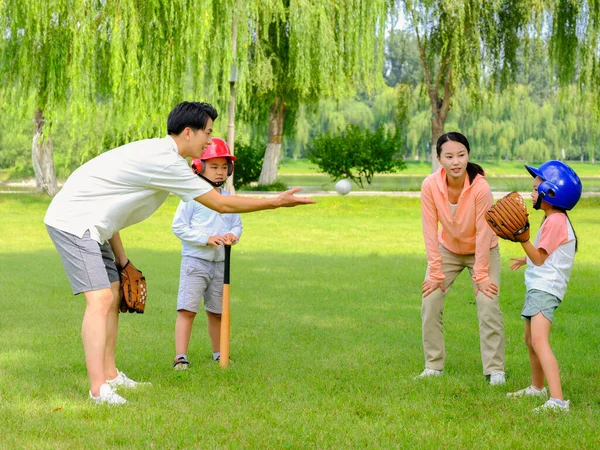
552,276
194,224
122,187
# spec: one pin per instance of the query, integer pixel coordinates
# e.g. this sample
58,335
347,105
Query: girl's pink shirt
464,233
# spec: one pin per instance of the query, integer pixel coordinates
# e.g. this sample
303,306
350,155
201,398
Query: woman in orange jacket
453,203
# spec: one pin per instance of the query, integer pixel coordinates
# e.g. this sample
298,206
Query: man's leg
112,327
94,335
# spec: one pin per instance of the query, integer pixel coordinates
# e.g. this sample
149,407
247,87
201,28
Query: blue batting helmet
561,186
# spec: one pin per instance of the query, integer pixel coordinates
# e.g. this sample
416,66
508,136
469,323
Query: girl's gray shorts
89,265
200,278
539,302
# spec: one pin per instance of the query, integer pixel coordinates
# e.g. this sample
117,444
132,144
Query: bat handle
227,264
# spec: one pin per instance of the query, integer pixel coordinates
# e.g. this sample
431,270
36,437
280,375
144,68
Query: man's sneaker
180,363
429,373
529,391
123,380
108,396
497,378
553,405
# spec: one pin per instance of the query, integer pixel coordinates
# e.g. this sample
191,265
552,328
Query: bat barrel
225,314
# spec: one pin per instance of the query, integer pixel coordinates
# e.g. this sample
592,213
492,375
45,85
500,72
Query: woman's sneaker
180,363
429,373
123,380
497,378
108,396
554,405
529,391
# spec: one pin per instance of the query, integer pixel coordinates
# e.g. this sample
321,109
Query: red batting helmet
218,149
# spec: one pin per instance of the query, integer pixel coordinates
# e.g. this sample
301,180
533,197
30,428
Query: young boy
203,233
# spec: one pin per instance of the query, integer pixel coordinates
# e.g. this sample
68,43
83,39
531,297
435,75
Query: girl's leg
214,330
183,330
537,373
540,341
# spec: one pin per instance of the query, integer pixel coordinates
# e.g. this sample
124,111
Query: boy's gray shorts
539,302
89,265
200,278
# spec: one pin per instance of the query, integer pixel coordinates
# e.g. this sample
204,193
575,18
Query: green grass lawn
326,340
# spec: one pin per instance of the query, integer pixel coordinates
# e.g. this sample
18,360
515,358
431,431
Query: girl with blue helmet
556,189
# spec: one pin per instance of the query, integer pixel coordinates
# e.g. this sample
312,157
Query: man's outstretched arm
234,204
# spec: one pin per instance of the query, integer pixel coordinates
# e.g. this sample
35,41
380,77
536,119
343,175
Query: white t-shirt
556,236
122,187
195,223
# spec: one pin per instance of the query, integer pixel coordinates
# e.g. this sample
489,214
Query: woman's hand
429,286
488,288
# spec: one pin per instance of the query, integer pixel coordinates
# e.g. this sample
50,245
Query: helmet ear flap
229,167
198,166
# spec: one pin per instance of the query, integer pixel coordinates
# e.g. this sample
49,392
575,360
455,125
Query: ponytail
473,170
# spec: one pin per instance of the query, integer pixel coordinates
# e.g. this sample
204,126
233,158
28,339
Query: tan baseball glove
133,286
509,218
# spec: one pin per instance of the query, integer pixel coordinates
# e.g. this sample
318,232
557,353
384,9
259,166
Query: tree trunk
437,129
268,173
42,156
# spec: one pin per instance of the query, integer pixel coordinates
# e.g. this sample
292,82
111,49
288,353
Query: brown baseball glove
509,218
133,286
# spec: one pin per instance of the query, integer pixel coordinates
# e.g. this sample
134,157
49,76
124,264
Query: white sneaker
108,396
123,380
529,391
497,378
553,405
429,373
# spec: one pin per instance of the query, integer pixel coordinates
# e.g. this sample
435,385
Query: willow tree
134,58
460,40
299,51
475,43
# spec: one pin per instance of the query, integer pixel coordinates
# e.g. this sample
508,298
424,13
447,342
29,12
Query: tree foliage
356,153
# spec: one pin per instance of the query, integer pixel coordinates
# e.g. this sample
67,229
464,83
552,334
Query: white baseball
343,187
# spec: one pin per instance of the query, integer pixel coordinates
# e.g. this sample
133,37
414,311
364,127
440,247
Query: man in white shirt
120,188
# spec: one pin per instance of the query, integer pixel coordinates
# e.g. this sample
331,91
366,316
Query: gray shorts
200,278
89,265
539,302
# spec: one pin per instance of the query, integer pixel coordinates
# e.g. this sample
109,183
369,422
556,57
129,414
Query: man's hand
488,288
287,199
429,286
518,263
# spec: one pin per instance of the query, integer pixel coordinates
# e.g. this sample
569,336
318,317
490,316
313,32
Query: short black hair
190,114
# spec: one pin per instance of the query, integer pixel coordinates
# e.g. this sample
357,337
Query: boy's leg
537,373
214,330
112,326
540,341
94,335
491,325
183,330
193,279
